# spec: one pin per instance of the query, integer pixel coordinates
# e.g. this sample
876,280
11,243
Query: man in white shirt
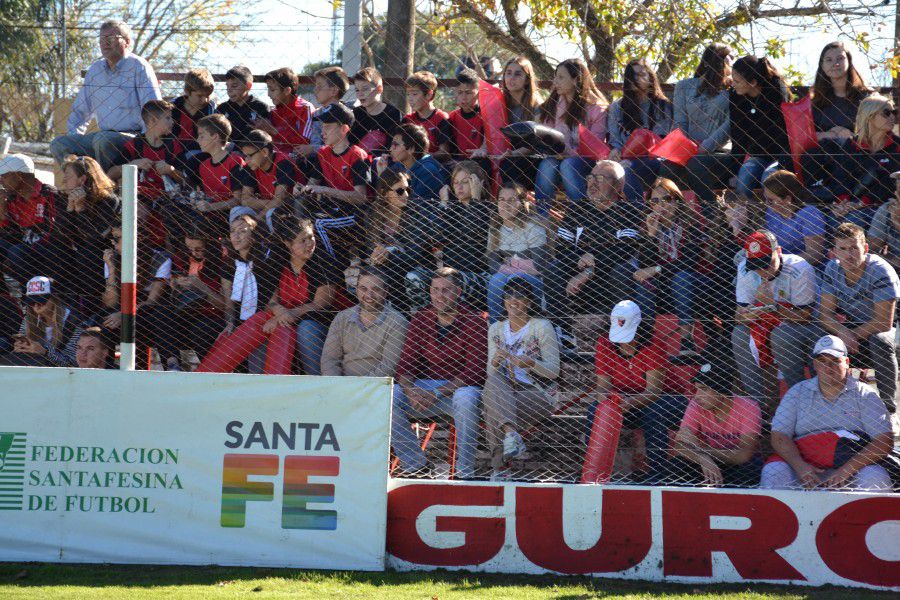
115,88
776,295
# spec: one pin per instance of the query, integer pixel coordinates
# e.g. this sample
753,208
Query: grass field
111,581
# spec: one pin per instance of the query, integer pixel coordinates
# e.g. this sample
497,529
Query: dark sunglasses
889,112
401,191
666,199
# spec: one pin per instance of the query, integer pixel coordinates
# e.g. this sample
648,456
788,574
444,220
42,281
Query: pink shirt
595,121
743,419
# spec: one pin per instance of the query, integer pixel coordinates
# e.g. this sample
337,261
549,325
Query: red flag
590,146
675,147
493,114
639,143
801,129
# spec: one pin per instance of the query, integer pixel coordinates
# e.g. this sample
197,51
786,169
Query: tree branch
516,40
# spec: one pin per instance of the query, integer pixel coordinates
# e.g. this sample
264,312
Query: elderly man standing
115,88
830,431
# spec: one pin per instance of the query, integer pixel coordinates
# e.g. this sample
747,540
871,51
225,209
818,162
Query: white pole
352,53
129,266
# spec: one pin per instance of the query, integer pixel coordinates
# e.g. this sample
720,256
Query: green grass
113,581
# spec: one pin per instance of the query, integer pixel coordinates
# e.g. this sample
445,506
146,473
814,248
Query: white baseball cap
831,344
16,163
38,289
624,321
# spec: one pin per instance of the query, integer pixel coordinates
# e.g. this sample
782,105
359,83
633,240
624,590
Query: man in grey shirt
835,402
859,296
115,88
884,232
365,340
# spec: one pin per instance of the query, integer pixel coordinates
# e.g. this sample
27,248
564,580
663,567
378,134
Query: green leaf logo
6,442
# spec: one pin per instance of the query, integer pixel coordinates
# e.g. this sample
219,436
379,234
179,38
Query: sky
298,32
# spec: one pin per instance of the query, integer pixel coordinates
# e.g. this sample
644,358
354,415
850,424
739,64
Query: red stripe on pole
129,298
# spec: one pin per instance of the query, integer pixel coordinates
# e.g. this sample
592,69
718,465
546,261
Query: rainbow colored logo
297,491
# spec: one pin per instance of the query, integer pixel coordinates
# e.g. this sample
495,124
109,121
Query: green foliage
670,34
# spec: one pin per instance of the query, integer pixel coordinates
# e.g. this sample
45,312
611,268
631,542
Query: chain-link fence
568,282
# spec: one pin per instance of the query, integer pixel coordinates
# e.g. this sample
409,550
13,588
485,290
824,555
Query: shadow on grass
24,575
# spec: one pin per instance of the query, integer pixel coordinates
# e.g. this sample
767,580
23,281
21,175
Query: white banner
658,534
191,468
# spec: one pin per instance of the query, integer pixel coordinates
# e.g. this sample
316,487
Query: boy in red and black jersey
290,122
154,153
192,106
27,212
340,176
274,173
224,179
374,121
331,85
420,89
241,109
463,131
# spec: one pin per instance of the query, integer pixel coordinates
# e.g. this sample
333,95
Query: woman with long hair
837,91
673,257
400,233
79,233
523,362
574,100
522,99
50,330
856,179
643,105
295,315
516,247
461,231
700,104
798,226
757,125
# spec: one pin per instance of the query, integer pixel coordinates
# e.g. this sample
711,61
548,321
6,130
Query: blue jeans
462,406
572,171
639,174
753,172
495,292
685,288
310,342
104,146
656,420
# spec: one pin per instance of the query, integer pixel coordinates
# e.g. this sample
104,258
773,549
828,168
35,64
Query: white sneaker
513,446
500,475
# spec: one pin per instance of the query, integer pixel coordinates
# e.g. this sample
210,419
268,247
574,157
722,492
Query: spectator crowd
725,259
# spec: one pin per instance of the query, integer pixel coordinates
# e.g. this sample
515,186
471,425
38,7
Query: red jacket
461,354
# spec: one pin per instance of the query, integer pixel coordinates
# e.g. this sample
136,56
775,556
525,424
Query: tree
671,32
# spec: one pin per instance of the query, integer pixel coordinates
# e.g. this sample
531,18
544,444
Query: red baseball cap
760,246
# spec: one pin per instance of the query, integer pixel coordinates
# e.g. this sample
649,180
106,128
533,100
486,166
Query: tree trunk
401,39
